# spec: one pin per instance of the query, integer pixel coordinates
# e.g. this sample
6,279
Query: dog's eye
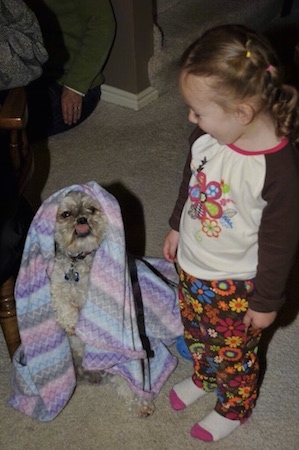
65,214
92,210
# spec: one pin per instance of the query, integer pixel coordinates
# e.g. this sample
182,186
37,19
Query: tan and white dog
79,230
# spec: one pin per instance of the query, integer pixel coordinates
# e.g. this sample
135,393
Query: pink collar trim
275,149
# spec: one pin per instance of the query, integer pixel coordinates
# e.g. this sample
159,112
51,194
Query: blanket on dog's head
43,374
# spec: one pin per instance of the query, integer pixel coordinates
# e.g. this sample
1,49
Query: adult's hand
71,106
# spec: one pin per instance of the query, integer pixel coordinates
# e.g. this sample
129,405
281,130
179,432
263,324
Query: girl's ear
244,113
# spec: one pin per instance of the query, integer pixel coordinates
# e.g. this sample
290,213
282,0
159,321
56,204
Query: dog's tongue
82,228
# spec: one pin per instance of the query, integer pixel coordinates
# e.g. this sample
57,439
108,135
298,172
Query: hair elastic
269,68
248,54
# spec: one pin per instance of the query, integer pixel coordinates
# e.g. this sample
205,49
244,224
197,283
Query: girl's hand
259,319
170,246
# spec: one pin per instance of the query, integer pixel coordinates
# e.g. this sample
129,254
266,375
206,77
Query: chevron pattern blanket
43,374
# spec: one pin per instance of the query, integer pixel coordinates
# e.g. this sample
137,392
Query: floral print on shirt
209,204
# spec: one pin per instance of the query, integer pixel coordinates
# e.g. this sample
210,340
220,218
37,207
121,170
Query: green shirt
78,35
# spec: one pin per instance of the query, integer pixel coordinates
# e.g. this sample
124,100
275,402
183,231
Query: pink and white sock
184,394
214,427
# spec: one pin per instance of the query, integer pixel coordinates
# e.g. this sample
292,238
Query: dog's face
80,224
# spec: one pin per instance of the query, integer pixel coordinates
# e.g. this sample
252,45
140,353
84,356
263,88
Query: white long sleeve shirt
240,218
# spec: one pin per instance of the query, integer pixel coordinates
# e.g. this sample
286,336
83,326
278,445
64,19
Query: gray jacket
22,51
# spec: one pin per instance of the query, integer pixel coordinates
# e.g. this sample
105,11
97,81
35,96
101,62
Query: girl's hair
242,64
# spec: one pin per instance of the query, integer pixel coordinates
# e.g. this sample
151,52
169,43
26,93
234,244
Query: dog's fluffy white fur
80,228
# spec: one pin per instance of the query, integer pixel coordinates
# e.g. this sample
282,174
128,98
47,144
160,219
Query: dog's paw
146,408
91,376
139,406
94,376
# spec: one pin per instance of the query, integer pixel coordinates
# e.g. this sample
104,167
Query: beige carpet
139,156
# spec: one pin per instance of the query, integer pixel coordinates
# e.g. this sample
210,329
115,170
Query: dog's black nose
82,220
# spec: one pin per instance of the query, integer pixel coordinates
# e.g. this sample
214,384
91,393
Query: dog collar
81,255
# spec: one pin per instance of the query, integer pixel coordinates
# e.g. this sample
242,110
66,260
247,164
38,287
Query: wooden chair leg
8,317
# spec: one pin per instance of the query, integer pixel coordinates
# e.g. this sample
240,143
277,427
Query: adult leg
39,109
89,103
44,108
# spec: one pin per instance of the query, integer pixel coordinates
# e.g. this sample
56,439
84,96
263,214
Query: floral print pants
224,354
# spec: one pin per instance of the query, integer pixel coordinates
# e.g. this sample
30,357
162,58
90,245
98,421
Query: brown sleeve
175,217
279,230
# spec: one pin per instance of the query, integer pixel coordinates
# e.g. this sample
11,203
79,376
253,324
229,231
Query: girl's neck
258,135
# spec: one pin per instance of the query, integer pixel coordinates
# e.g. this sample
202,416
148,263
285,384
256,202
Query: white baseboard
127,99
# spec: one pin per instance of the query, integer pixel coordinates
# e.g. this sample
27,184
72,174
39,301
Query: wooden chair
13,120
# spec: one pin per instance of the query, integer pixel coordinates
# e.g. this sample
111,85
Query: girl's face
206,113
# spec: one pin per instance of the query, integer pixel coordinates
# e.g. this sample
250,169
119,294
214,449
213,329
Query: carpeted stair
179,22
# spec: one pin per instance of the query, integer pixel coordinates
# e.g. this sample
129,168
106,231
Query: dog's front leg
66,312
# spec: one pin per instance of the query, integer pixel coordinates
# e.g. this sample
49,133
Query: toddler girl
235,223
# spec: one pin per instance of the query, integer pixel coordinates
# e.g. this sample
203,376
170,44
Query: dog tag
72,275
